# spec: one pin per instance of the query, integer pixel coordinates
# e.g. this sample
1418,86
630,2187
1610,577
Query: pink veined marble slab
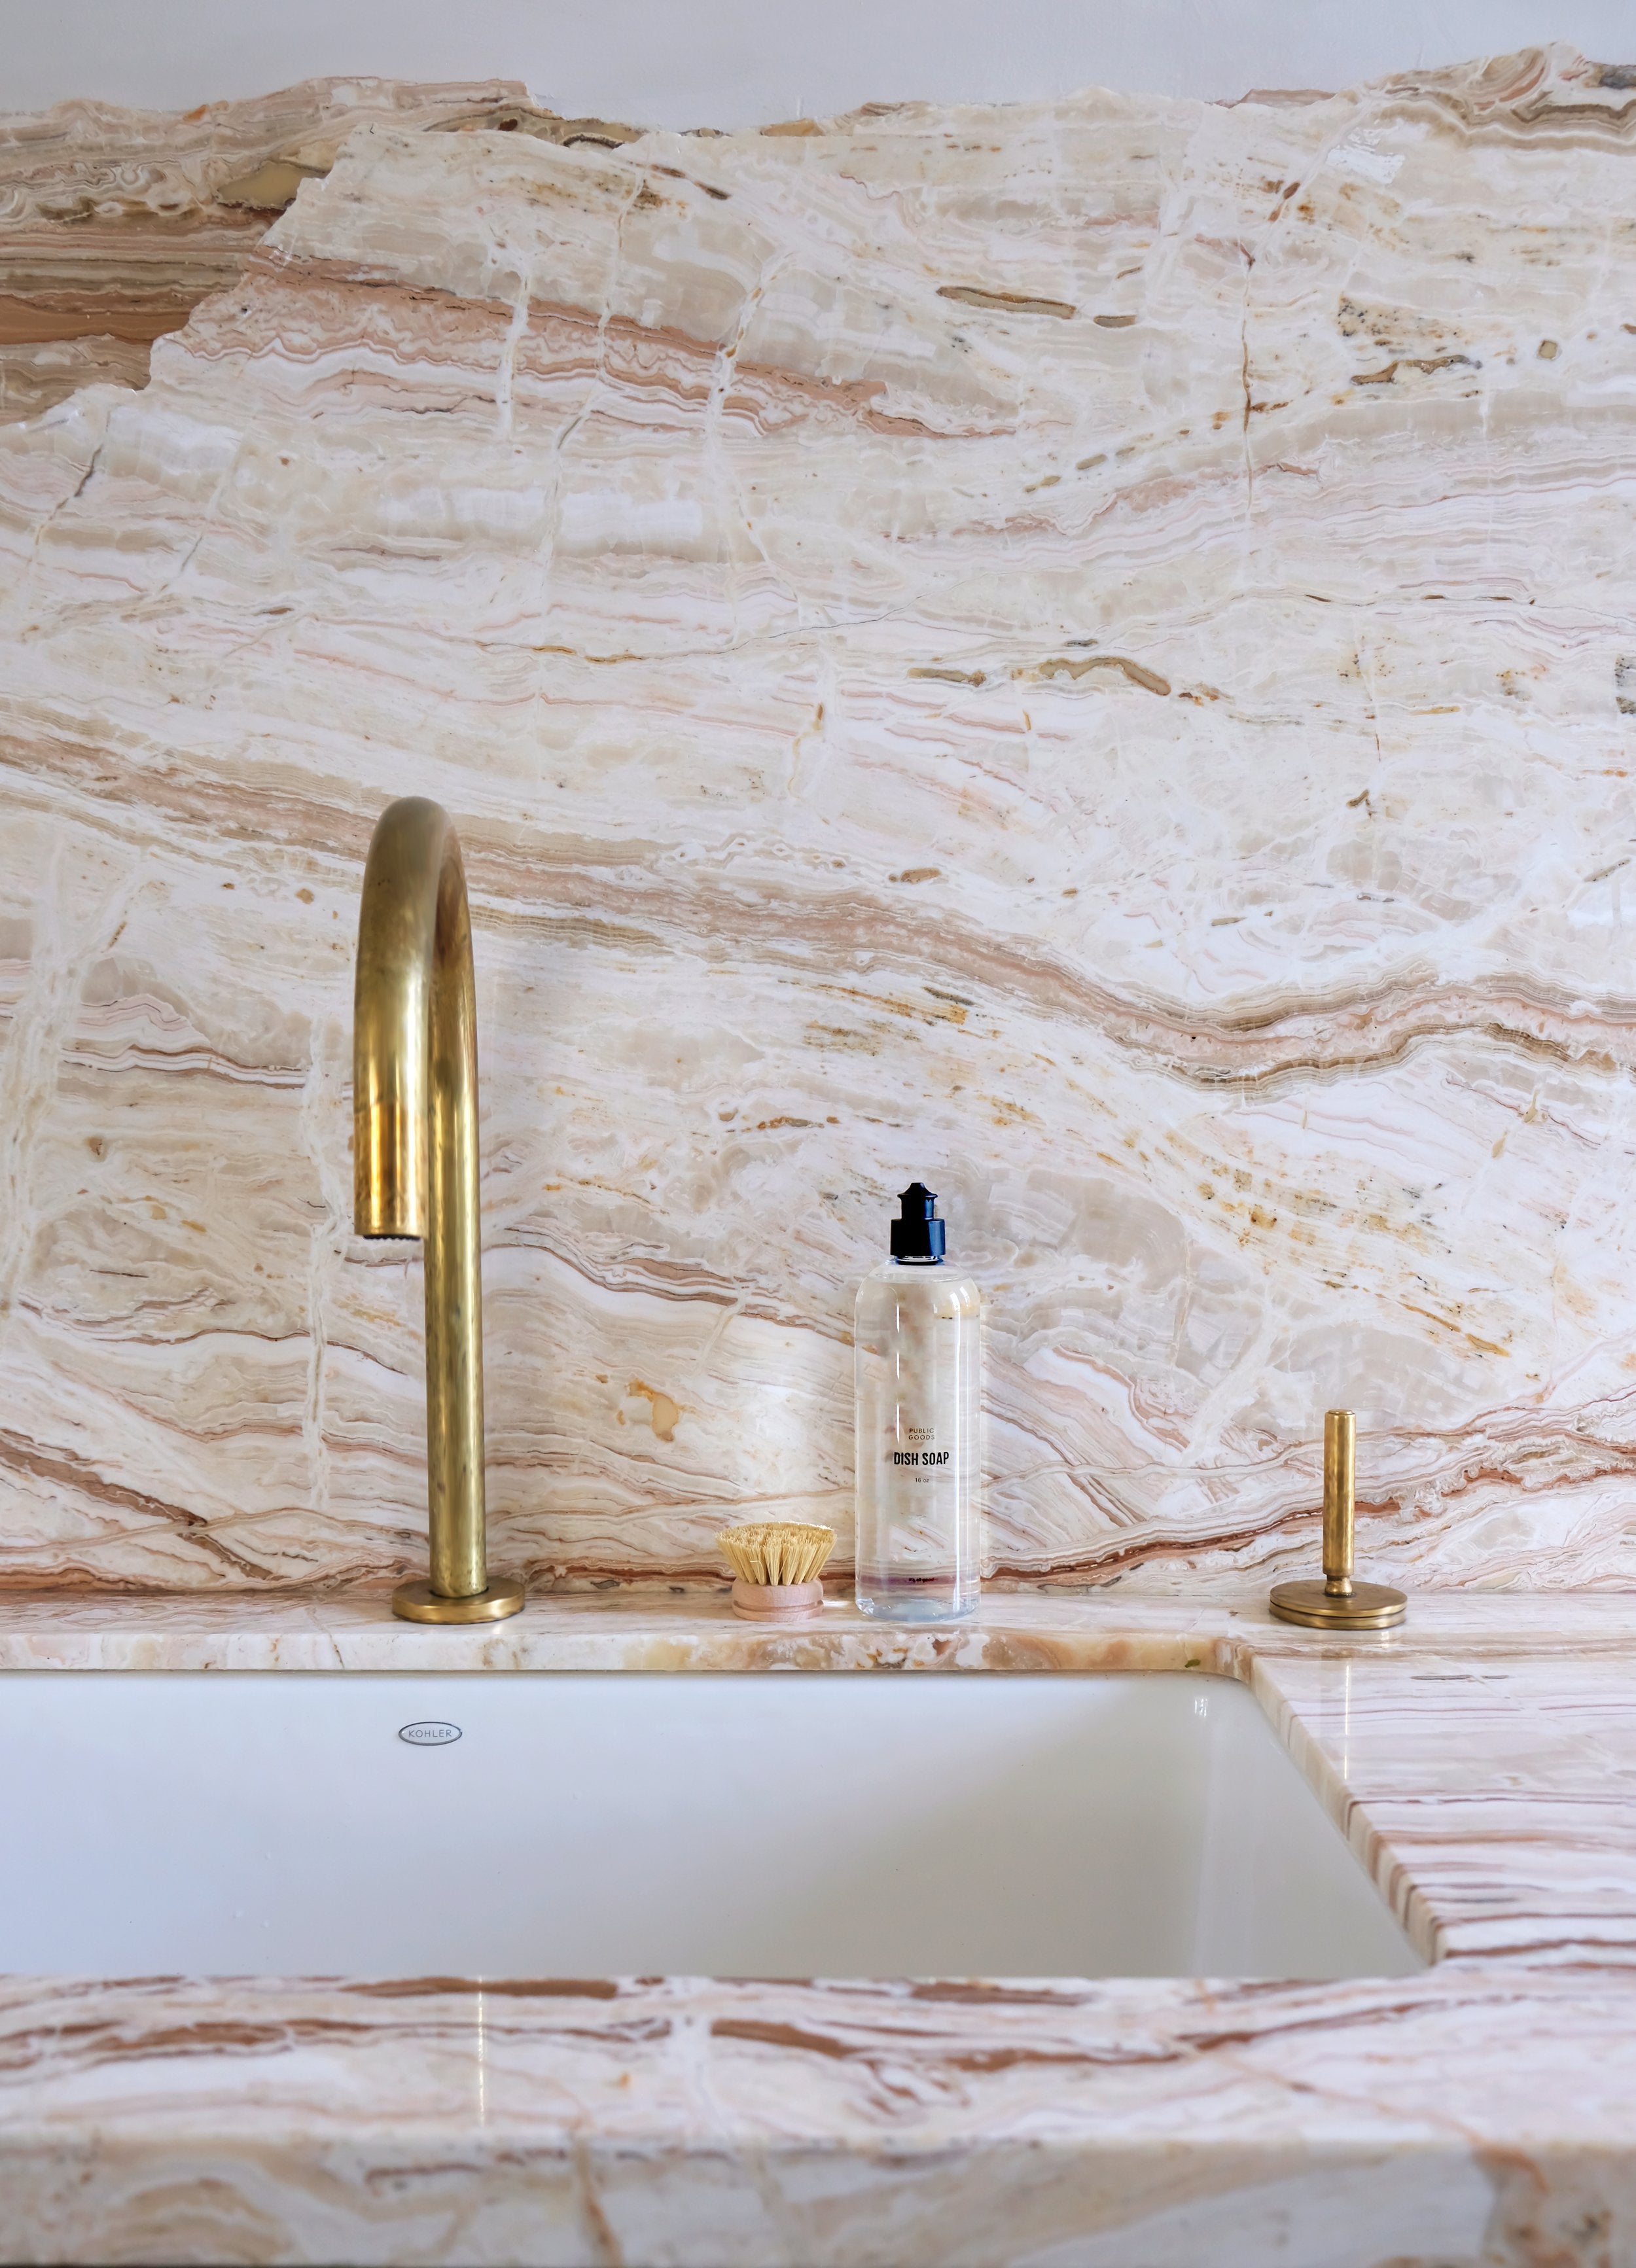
1081,652
114,224
1477,2114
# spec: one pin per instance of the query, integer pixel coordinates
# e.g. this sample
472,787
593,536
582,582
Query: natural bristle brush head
776,1565
777,1550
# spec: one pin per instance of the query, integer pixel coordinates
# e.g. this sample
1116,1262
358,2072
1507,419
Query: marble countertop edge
636,1630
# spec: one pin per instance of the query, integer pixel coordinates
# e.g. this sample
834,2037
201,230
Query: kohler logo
429,1734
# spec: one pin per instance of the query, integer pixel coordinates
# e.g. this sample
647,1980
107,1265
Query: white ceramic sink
858,1825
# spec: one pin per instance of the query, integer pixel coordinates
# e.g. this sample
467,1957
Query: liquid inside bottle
917,1339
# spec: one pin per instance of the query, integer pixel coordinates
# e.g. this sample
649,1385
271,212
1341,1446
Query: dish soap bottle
917,1375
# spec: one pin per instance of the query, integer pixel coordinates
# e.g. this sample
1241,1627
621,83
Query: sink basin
587,1824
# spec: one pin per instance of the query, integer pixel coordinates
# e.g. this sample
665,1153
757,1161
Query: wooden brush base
777,1602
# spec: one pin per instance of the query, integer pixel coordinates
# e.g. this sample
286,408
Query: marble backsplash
114,224
1084,654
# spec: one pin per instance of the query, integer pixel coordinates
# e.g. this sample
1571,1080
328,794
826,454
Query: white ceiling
727,63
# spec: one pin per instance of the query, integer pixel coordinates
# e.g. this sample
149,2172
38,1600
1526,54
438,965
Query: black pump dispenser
917,1233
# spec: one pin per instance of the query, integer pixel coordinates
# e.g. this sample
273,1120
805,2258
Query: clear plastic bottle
918,1370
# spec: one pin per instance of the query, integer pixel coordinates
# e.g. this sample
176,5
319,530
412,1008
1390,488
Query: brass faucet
415,1169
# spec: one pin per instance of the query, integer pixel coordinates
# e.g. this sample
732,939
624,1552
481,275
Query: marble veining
114,224
1082,652
810,2125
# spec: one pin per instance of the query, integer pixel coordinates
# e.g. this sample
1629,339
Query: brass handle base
1368,1606
419,1602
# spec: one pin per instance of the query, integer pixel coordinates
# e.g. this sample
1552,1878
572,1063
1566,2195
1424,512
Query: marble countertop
1480,1761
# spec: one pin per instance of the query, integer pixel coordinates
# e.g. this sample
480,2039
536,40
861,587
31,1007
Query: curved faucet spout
415,1168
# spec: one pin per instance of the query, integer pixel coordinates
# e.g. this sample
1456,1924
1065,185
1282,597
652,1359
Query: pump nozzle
917,1233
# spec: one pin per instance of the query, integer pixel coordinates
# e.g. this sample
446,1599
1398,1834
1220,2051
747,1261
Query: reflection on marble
1493,1799
1477,2116
1117,2125
1081,652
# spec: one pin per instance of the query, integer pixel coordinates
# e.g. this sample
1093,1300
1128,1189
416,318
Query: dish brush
776,1565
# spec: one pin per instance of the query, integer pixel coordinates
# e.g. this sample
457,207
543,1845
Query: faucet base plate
1368,1606
419,1602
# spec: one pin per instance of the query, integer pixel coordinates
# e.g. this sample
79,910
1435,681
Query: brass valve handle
1340,1454
1338,1602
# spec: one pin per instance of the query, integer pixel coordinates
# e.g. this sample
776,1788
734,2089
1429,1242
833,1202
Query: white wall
728,62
